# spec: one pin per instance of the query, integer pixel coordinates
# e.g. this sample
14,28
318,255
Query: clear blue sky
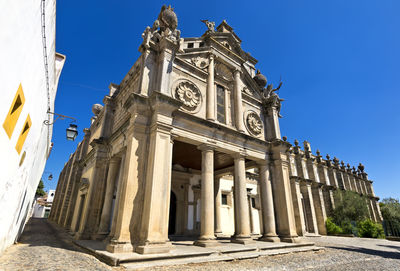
339,61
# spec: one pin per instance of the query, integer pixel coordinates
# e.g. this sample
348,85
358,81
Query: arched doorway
172,214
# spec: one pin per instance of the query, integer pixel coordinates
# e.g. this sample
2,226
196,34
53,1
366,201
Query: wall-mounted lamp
72,130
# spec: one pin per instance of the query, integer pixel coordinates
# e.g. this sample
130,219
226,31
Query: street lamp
72,130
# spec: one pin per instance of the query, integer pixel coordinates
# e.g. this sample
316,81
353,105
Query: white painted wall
22,62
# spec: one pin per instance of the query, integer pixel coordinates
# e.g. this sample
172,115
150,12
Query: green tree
39,191
349,206
390,209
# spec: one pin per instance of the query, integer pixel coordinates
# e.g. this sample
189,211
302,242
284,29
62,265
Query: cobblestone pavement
43,247
340,253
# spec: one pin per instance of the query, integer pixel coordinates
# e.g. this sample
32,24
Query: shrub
370,229
332,228
347,227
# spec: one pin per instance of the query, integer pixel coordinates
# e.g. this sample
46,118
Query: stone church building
188,145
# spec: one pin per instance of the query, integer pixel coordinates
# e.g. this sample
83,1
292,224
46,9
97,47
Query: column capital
115,159
206,147
211,56
107,100
264,162
239,155
237,72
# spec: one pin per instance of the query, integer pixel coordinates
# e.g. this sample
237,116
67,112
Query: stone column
153,236
286,225
378,210
126,218
154,227
210,96
298,206
252,231
146,61
218,204
108,199
272,129
56,203
309,202
267,205
165,59
372,206
242,229
207,236
107,122
319,204
94,201
238,102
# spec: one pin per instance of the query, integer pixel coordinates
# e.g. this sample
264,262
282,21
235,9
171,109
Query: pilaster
286,226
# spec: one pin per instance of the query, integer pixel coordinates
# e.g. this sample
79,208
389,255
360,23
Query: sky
338,60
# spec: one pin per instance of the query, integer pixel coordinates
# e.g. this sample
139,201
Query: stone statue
271,98
164,26
210,26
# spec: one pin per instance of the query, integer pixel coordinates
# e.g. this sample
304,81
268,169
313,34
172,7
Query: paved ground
43,248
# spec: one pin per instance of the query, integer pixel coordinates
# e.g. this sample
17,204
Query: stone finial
307,146
328,157
319,157
336,161
284,138
260,79
167,18
342,165
354,170
296,142
96,109
361,168
164,26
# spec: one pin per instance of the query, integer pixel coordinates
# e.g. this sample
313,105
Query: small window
201,44
14,112
253,202
224,200
24,134
220,104
190,45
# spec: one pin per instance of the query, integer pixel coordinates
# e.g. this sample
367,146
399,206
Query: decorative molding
189,94
253,123
200,62
223,71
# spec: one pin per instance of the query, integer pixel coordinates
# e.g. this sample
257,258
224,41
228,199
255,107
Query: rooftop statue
269,97
164,26
210,26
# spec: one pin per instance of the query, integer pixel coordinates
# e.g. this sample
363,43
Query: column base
119,247
270,238
81,236
154,248
100,236
290,239
206,243
244,240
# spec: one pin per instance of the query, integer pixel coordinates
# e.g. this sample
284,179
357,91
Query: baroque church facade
189,145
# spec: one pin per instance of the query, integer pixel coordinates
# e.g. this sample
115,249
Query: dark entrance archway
172,214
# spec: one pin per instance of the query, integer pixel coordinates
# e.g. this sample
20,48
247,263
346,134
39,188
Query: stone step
215,257
179,261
